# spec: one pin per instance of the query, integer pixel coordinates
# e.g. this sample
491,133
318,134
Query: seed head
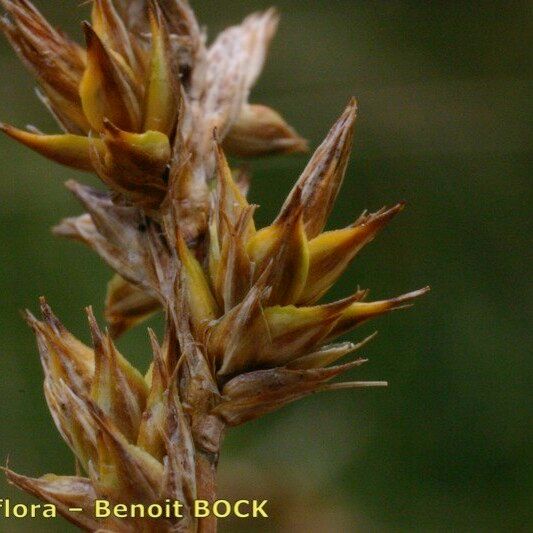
145,95
151,109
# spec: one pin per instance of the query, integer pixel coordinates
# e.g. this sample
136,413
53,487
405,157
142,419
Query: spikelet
151,109
138,106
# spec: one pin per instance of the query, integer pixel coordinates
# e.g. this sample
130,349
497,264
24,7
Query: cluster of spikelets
151,109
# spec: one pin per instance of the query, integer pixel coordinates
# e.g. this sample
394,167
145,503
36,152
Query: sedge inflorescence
153,110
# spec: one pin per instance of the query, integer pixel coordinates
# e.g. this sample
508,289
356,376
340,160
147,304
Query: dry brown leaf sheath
150,108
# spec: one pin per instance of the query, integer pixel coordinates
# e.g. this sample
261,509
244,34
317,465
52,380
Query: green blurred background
444,90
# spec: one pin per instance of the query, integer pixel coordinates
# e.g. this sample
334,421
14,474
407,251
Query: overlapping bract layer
144,97
253,300
251,295
129,433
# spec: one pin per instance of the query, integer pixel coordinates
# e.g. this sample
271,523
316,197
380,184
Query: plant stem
206,484
207,455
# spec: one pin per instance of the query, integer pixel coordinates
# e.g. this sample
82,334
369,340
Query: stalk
206,473
206,466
